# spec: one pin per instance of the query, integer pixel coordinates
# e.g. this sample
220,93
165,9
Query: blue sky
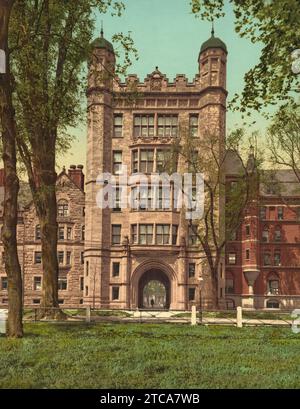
169,36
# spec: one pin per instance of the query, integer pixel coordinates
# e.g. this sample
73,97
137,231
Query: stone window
164,160
277,234
61,301
247,254
135,161
134,235
267,258
116,234
36,301
69,233
174,234
81,283
61,232
143,126
4,283
277,258
82,257
280,213
63,208
86,290
117,162
118,125
265,235
117,200
192,294
232,258
115,269
83,233
192,270
272,304
229,285
162,234
60,257
273,285
146,234
194,125
263,213
38,232
167,125
68,261
247,228
147,160
87,268
37,257
115,293
62,283
37,283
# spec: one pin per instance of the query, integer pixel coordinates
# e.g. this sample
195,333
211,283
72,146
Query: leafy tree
275,24
11,188
224,203
51,42
284,139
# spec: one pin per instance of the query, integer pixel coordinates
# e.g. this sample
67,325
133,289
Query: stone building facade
135,124
108,256
263,257
71,205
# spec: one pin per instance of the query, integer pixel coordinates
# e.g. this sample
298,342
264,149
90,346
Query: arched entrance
158,276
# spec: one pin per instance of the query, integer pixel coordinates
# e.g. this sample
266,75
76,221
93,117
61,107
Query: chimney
2,177
77,176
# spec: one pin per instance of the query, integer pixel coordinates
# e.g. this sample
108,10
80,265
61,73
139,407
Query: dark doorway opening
154,290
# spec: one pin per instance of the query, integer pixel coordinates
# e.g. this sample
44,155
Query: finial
251,149
212,29
156,68
102,29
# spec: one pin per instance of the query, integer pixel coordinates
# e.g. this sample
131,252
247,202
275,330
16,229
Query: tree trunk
45,203
11,181
214,282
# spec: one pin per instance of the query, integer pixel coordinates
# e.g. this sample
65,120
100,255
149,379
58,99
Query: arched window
82,233
38,232
273,284
272,304
265,234
63,208
277,234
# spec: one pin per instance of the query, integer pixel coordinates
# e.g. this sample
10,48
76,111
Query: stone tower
100,115
134,123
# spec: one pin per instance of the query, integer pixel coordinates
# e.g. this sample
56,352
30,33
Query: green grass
77,355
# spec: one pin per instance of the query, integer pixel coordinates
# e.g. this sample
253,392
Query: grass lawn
150,356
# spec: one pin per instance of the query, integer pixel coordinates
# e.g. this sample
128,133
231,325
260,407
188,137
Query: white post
193,316
88,314
239,317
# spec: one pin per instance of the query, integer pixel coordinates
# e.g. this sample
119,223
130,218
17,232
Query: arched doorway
156,284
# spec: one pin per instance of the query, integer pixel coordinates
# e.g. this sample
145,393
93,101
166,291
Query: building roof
101,42
213,42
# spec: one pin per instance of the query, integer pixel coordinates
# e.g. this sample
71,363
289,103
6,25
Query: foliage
284,139
274,24
149,356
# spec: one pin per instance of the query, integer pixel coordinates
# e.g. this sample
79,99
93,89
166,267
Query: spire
212,29
102,33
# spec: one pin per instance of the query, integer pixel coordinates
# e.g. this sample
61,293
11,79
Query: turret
212,62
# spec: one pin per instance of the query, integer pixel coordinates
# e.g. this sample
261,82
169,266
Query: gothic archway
154,274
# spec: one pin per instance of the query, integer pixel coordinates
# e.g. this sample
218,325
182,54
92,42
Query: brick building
127,248
107,257
70,203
